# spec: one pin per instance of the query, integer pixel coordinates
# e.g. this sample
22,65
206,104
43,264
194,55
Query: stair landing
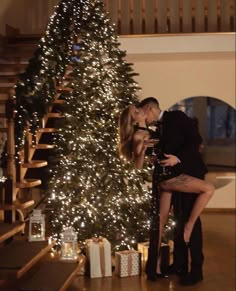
19,256
51,275
7,230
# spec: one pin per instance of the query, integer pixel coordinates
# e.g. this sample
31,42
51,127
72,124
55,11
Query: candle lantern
69,245
37,226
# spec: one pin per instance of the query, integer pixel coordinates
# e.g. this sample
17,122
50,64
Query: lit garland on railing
36,88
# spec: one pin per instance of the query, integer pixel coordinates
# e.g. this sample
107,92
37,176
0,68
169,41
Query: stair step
17,205
51,275
4,90
14,61
23,45
59,101
20,255
6,84
4,129
35,164
10,73
28,183
7,230
32,37
54,115
12,67
8,78
16,55
47,130
3,96
41,146
66,89
68,77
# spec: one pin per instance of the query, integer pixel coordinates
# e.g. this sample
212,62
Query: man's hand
170,161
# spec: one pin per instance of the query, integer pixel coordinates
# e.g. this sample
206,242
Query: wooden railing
171,16
133,16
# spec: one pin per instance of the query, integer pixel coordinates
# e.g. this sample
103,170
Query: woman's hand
149,143
141,146
170,161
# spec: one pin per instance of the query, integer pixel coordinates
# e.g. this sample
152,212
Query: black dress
160,174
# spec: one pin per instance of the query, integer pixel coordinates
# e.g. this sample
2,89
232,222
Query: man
180,140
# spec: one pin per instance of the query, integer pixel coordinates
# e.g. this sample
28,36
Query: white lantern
37,226
69,245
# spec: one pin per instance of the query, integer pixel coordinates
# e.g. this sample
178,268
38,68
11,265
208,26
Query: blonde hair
126,131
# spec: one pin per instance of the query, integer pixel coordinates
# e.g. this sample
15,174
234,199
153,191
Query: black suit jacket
181,138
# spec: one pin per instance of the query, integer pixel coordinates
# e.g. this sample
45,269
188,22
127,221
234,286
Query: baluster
199,16
10,112
131,25
114,13
212,16
125,17
119,17
205,16
162,16
168,16
181,15
187,15
9,215
27,145
225,15
193,14
174,16
143,17
150,16
232,15
155,17
106,5
137,16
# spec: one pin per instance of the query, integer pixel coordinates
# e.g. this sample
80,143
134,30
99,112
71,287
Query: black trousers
182,206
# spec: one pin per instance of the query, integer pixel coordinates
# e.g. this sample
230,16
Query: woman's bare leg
188,184
165,200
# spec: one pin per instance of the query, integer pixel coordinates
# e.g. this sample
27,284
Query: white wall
174,68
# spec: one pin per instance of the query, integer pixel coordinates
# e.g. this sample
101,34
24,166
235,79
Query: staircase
25,265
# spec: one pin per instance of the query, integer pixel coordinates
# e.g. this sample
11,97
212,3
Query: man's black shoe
161,275
191,279
154,277
172,270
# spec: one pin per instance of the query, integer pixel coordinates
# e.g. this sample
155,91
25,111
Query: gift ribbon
102,258
130,259
97,239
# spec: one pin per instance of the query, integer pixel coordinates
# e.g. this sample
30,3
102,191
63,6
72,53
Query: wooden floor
219,266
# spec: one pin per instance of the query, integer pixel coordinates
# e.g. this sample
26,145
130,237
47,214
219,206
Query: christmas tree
91,189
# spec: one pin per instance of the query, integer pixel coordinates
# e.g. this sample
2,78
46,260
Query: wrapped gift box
128,263
98,251
165,255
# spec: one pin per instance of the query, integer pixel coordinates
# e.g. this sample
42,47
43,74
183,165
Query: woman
135,141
